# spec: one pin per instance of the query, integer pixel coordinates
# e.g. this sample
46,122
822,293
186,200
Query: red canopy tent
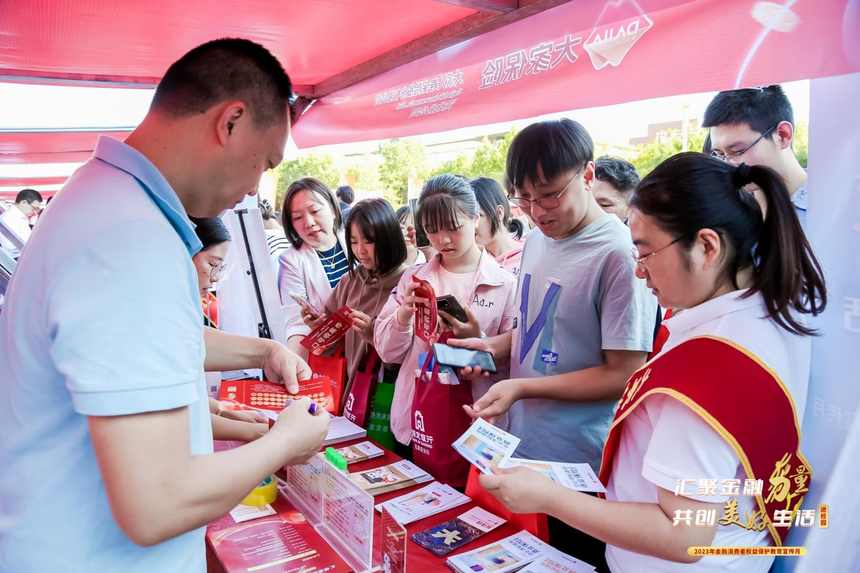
391,68
325,45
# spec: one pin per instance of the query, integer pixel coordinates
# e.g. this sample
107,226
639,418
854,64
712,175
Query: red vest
742,400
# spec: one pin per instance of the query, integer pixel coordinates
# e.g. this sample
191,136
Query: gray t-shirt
576,297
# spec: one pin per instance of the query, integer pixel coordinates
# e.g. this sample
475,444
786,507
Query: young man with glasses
756,126
16,218
585,323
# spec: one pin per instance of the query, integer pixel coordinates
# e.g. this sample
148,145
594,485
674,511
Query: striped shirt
277,242
334,263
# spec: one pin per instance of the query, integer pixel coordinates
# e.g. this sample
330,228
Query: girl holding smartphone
448,211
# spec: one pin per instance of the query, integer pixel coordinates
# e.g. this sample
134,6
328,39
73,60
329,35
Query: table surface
417,558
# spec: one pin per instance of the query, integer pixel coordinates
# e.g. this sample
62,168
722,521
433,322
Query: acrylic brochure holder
304,488
340,511
347,523
393,543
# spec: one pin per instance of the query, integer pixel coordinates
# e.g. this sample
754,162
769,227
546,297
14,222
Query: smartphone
452,306
421,239
462,357
303,301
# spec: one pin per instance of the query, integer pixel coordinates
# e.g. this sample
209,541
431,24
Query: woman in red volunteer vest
704,448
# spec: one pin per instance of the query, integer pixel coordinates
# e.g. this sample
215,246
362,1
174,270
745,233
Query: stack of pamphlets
360,452
574,476
390,478
509,554
342,430
429,500
339,428
554,561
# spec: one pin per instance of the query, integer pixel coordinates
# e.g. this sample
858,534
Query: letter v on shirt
529,333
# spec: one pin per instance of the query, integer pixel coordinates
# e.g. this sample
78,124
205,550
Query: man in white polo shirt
16,219
106,459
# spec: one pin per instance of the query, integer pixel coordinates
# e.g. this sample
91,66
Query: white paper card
486,446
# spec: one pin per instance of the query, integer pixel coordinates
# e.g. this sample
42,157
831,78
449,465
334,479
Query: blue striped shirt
334,263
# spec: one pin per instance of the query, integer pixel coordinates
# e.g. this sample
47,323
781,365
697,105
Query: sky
43,107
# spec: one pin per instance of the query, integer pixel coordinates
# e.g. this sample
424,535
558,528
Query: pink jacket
512,259
493,305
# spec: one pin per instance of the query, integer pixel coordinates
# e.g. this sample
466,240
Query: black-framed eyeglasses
549,202
734,157
640,259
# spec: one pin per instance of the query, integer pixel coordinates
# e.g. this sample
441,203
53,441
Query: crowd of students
567,312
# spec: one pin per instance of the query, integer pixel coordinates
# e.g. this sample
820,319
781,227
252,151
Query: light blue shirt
576,298
102,318
799,199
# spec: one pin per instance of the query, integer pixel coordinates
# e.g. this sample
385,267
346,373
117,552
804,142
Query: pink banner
587,54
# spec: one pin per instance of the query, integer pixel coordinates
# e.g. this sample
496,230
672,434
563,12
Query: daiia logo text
609,44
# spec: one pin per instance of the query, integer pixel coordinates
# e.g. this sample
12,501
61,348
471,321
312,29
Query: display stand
419,558
249,303
347,523
304,488
392,539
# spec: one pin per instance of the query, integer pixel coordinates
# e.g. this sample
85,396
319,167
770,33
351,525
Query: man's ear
588,175
230,116
785,134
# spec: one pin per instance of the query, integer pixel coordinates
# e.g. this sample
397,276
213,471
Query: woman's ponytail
787,273
690,191
516,228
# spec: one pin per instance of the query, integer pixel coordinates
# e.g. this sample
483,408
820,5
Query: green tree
460,165
801,142
401,159
667,143
311,164
365,172
491,156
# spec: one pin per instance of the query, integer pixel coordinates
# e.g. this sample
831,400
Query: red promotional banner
586,54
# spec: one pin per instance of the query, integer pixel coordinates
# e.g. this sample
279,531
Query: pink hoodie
493,305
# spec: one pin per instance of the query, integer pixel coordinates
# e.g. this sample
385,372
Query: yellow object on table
265,492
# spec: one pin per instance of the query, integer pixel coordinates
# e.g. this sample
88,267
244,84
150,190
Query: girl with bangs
377,251
449,212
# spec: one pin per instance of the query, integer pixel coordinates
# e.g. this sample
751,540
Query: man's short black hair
28,195
345,194
617,172
760,108
557,146
222,70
